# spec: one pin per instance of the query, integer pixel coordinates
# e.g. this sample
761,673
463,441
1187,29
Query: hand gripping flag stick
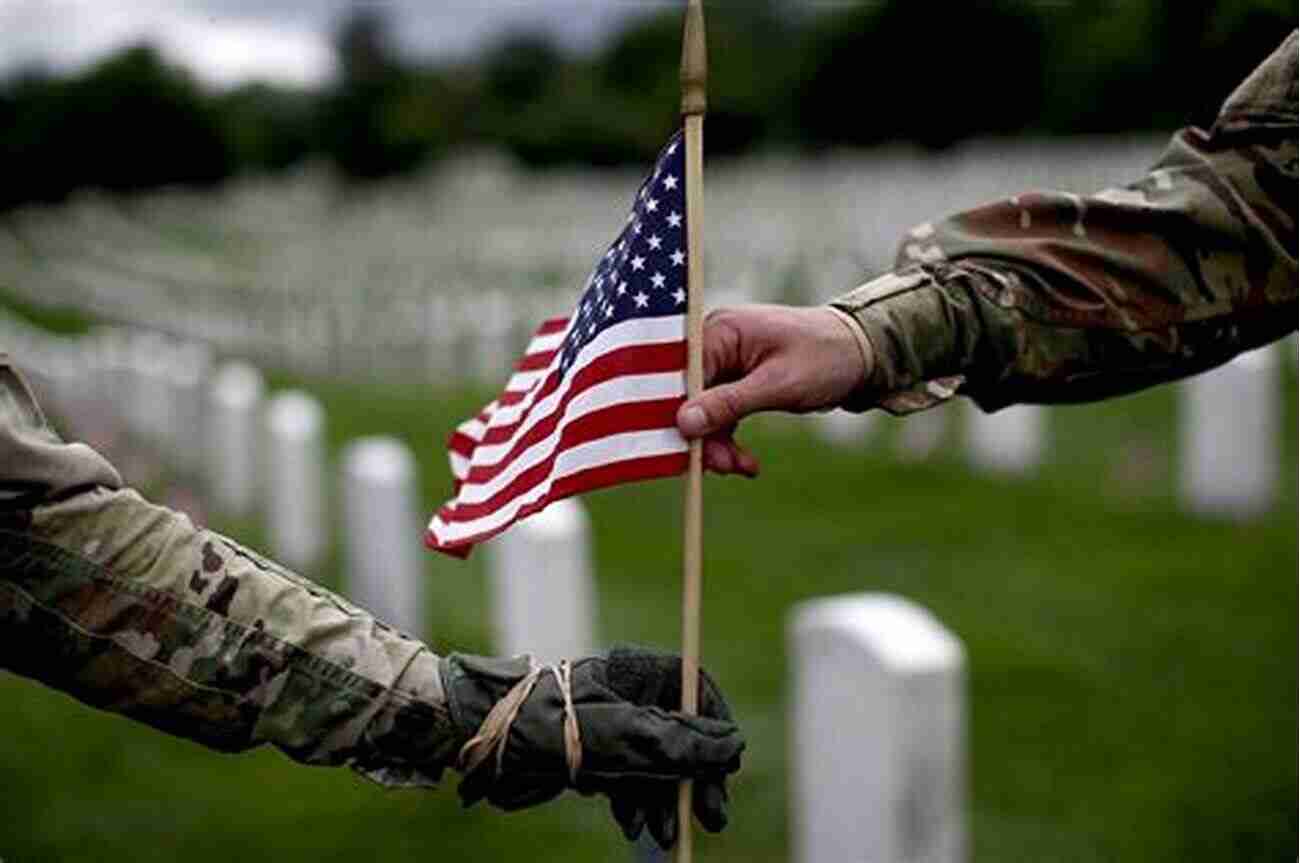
694,76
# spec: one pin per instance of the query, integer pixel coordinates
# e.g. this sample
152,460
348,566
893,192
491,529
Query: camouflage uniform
1053,297
131,608
1045,297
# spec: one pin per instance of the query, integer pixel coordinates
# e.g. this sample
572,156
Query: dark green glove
636,746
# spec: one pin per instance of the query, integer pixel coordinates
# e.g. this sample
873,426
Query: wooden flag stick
694,104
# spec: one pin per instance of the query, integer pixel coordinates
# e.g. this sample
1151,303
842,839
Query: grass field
1132,670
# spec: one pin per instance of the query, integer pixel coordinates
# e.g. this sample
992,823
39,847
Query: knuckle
730,405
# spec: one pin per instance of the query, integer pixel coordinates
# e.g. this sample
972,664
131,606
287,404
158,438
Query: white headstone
877,732
152,410
382,532
112,370
1229,433
543,594
187,376
232,439
489,325
441,332
923,433
1009,441
294,475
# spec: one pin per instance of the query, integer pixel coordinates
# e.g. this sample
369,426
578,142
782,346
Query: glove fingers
620,739
511,796
661,818
629,812
688,746
474,787
509,792
709,803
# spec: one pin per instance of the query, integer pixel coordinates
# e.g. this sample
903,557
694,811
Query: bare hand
765,357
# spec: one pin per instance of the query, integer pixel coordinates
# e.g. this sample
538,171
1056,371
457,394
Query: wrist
851,324
856,398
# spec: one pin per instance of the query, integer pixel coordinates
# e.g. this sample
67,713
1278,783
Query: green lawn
1132,671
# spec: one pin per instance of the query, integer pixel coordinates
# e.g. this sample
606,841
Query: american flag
594,400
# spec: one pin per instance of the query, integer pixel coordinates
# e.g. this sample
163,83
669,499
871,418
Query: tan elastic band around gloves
495,729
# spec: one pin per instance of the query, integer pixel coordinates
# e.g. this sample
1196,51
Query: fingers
723,455
628,813
722,346
662,818
636,806
709,803
723,406
650,741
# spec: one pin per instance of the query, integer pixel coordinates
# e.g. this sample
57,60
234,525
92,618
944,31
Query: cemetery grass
1132,670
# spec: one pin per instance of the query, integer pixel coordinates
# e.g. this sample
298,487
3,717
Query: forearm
1057,297
129,607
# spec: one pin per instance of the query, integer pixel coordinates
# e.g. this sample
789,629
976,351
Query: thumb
724,405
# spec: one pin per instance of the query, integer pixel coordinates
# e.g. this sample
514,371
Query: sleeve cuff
890,314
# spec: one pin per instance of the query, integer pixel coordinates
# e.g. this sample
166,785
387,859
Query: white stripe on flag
615,391
637,331
606,450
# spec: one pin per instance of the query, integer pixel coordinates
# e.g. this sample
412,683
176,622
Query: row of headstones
877,699
877,709
381,519
261,455
249,455
1230,442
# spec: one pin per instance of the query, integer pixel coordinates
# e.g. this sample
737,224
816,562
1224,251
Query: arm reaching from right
1045,297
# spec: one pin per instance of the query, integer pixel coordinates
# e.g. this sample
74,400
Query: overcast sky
228,41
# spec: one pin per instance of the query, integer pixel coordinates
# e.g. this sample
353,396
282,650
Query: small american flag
593,402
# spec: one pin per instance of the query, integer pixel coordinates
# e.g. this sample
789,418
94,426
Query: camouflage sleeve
1053,297
129,607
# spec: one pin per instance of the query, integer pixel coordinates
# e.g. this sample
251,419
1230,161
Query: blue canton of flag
643,274
594,400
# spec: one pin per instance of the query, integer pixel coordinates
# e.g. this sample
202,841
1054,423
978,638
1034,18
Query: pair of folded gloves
632,743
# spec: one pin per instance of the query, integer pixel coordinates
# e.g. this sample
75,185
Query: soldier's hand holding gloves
634,746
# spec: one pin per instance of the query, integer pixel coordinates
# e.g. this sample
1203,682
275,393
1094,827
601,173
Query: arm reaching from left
129,607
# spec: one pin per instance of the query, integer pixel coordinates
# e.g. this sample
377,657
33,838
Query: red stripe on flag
590,479
533,362
554,325
461,444
630,417
631,360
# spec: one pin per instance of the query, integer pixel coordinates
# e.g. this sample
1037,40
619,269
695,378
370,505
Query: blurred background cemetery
269,294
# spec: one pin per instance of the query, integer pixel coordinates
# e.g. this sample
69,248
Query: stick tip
695,61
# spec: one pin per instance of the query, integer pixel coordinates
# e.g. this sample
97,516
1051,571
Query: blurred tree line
850,75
